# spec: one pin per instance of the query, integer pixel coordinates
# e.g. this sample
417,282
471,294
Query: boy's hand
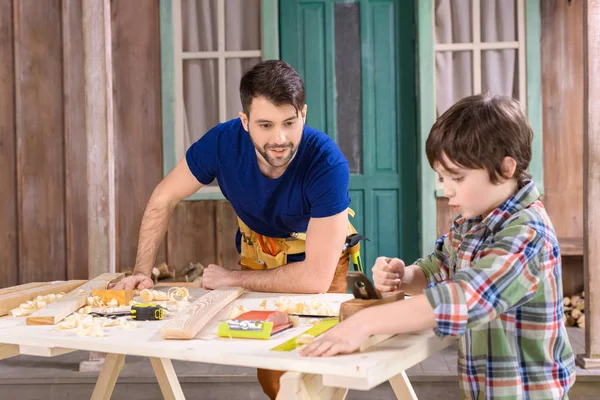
344,338
133,282
388,274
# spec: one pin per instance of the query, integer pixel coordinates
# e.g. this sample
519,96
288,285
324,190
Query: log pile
573,308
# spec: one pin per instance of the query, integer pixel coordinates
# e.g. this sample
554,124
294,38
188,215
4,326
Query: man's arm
177,185
325,238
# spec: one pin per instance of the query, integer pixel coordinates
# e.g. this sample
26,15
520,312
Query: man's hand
345,337
133,282
215,276
388,274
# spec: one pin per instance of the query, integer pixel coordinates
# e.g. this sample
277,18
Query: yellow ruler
315,331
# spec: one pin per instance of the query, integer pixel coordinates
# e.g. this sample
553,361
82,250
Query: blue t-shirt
315,184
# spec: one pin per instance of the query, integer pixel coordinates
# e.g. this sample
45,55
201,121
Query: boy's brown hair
478,131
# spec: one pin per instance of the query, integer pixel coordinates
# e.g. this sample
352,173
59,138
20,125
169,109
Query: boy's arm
410,315
506,275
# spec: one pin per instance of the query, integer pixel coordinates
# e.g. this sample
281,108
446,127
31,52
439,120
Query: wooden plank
226,226
75,142
191,236
108,376
191,320
562,97
13,300
44,351
73,301
591,182
98,123
8,351
9,269
167,378
298,386
40,151
137,118
24,286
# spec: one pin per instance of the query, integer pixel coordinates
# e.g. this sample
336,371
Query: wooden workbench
320,378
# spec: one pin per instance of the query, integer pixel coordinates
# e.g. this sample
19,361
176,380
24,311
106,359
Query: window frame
529,66
171,68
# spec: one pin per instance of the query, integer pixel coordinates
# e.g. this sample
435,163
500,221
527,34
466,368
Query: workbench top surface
362,370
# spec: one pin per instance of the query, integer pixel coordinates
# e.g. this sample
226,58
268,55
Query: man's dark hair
478,132
275,80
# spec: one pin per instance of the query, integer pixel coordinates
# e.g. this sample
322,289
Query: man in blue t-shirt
287,183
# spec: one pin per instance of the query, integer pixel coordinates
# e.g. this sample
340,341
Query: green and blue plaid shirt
496,283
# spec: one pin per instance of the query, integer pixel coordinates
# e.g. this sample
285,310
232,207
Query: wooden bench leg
167,379
402,387
298,386
108,376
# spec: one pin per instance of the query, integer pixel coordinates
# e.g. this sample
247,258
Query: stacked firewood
573,308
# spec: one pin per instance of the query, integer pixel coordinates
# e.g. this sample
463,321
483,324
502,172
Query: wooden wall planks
75,142
137,117
562,97
8,177
40,140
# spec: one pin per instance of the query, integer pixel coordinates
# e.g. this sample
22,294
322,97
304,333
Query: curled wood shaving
235,311
304,338
148,295
38,303
87,325
310,307
178,294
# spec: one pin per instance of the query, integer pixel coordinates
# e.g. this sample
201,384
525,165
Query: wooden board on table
191,320
122,296
12,300
70,303
12,289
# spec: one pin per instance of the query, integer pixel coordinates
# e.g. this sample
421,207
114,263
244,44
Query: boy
495,279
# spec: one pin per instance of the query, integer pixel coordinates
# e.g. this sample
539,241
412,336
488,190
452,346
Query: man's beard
276,162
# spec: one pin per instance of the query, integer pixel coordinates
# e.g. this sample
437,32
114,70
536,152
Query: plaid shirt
496,283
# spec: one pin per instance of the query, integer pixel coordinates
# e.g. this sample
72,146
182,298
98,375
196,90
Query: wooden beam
591,184
8,351
299,386
98,123
44,351
13,300
9,269
191,320
167,378
108,376
24,286
402,387
76,193
66,305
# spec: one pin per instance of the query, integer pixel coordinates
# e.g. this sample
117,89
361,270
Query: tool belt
263,252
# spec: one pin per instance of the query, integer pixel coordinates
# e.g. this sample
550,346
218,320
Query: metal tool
139,312
350,245
361,286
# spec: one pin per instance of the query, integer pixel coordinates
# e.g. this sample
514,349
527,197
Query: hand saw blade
315,331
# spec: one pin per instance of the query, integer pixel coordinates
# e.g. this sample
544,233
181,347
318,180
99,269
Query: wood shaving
178,294
309,307
87,325
235,311
304,338
38,303
149,295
